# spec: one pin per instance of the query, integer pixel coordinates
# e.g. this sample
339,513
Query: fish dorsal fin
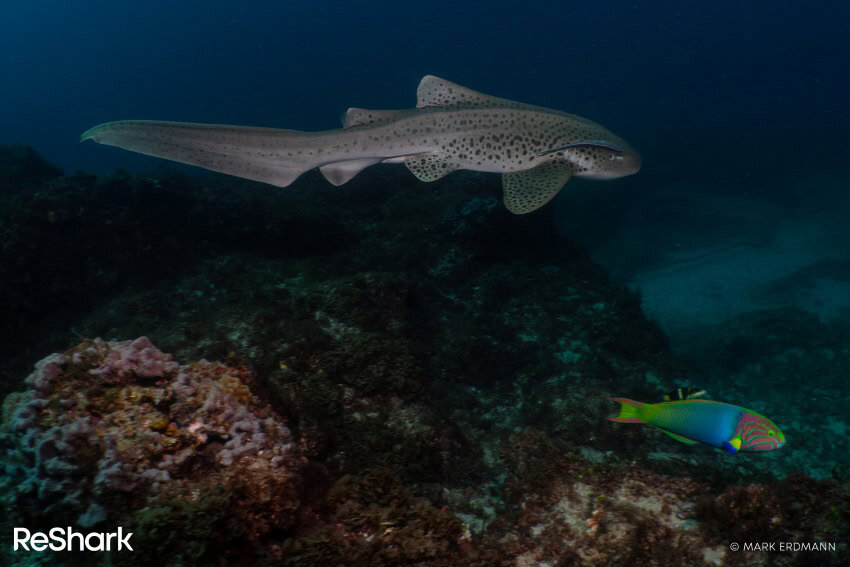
340,172
528,190
367,117
679,438
430,166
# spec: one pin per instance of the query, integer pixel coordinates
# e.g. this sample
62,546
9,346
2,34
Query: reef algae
117,433
565,510
372,520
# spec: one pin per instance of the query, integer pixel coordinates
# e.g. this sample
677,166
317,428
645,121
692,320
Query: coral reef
21,167
107,428
571,511
421,380
372,520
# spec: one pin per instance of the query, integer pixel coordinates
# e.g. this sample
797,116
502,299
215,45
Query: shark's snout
627,162
611,165
631,163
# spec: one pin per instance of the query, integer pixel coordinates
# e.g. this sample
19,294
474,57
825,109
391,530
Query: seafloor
388,373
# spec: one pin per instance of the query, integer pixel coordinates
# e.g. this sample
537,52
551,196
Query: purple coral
123,419
137,358
46,371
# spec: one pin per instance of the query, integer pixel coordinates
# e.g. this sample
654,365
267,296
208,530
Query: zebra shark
536,149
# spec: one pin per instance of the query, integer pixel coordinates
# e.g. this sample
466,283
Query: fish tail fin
629,411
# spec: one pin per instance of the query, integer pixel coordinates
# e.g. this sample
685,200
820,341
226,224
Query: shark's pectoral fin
528,190
340,172
430,166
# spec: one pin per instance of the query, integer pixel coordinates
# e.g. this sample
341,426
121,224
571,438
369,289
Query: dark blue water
701,89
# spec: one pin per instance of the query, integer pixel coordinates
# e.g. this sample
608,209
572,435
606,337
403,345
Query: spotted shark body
536,149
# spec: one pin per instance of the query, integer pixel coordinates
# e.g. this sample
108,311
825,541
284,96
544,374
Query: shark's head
612,163
599,159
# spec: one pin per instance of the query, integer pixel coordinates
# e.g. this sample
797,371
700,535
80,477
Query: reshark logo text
66,539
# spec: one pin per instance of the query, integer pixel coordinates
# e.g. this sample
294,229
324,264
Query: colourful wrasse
725,426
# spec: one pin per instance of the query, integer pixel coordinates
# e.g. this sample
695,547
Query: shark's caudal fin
236,150
629,411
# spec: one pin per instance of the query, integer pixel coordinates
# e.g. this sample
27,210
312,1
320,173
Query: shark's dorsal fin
528,190
435,92
366,117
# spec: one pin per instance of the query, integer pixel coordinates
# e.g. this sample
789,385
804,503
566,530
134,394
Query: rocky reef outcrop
405,375
120,434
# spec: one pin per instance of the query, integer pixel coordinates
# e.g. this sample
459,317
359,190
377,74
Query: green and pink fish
690,421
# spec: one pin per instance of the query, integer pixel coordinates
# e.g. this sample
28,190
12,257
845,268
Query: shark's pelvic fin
430,166
340,172
528,190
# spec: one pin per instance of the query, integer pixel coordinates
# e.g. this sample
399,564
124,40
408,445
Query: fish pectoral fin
528,190
430,166
678,438
733,445
340,172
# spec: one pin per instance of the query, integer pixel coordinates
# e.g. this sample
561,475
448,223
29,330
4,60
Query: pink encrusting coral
111,426
132,359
